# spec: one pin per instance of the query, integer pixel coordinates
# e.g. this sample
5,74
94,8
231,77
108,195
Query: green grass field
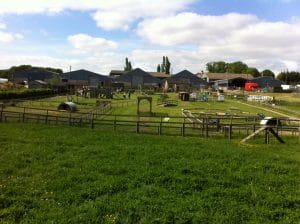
60,174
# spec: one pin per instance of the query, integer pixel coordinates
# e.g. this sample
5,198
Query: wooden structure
268,124
141,98
184,96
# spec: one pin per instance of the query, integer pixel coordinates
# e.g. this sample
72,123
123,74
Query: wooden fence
209,126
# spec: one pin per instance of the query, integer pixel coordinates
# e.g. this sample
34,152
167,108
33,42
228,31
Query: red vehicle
250,86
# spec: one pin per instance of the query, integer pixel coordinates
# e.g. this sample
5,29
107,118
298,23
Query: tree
128,66
158,68
253,71
216,67
267,72
168,66
290,78
55,80
163,65
237,67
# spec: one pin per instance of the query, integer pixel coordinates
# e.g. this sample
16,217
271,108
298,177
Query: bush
24,93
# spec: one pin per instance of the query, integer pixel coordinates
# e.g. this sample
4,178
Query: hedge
4,95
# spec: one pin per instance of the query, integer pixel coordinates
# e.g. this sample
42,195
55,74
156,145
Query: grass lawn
59,174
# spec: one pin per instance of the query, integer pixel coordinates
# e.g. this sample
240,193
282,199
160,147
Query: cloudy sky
98,34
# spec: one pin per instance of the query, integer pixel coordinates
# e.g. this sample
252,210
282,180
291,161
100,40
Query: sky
97,35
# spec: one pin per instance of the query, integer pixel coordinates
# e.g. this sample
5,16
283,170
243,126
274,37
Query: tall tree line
237,67
165,66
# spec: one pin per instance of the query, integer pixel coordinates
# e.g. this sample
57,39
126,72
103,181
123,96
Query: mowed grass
58,174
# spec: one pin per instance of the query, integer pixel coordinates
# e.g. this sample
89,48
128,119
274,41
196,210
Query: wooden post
160,126
206,128
70,117
203,122
115,123
230,132
46,119
299,133
267,135
183,129
2,106
92,123
137,127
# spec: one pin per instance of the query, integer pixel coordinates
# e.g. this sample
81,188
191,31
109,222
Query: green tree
290,78
237,67
163,65
253,71
158,68
216,67
267,72
128,66
168,66
55,80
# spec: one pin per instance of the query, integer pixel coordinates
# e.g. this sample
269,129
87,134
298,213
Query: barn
138,78
185,81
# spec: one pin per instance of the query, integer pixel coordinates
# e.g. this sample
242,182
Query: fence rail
179,126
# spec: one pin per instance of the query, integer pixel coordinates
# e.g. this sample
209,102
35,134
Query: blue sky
97,35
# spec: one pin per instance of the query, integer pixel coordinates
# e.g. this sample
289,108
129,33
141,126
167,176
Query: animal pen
189,124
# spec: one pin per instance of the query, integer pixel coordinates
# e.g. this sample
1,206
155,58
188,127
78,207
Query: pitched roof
186,75
117,72
147,78
34,74
267,81
82,74
159,74
220,76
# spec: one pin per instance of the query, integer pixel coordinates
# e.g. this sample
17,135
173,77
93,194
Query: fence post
160,126
183,129
92,123
23,117
299,133
230,132
2,106
46,120
137,127
115,123
70,116
267,135
206,128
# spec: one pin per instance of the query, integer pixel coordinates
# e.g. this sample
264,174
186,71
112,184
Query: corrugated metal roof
186,76
128,77
267,81
83,74
220,76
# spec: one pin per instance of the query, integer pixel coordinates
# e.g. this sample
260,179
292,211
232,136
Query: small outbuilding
68,106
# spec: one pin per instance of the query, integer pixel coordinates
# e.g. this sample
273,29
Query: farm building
233,83
267,82
31,75
159,75
185,80
117,73
37,84
212,77
138,78
83,77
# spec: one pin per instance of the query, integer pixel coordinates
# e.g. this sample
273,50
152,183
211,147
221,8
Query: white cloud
186,28
84,43
113,14
6,37
229,37
100,64
2,26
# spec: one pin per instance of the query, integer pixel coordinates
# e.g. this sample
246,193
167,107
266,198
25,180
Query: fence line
141,124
